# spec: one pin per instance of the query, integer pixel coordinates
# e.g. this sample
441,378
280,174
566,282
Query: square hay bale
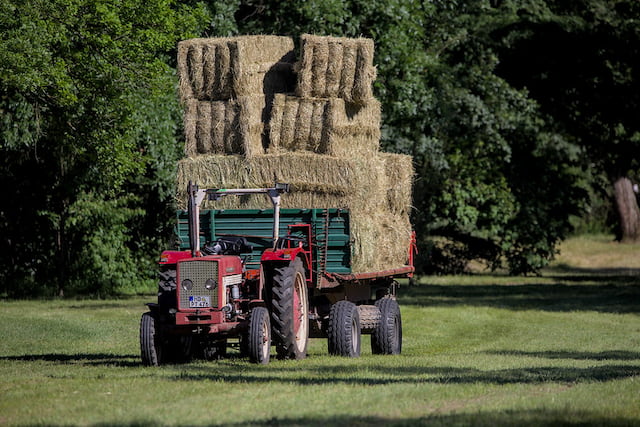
381,240
324,125
336,67
224,127
318,181
223,68
381,236
399,174
351,129
296,124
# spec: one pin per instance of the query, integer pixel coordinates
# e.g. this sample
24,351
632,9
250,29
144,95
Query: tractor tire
259,342
151,348
290,311
167,287
387,337
344,330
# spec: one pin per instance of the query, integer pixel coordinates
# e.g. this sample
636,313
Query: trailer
257,278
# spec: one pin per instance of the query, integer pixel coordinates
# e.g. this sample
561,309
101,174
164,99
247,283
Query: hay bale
224,127
336,67
347,77
351,129
203,128
381,234
229,67
318,181
324,126
399,174
250,128
190,126
381,240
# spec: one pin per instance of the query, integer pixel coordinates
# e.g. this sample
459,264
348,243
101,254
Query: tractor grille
198,272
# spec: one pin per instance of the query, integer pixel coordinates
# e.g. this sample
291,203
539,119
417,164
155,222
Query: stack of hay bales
227,87
323,139
333,111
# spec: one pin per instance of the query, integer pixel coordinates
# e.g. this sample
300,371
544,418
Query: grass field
560,349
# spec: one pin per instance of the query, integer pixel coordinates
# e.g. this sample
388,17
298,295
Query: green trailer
267,277
329,230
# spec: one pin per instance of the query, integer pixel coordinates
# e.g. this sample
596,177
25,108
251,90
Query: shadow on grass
99,359
611,294
440,417
583,273
574,355
228,370
318,376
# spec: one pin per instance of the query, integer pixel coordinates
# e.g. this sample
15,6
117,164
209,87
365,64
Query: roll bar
196,196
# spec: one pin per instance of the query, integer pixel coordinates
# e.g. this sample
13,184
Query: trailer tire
387,336
344,330
259,342
151,348
290,310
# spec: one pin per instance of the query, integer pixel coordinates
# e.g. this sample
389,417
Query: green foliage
88,112
222,20
579,62
104,262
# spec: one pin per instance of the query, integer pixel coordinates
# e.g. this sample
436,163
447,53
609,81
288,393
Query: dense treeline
518,114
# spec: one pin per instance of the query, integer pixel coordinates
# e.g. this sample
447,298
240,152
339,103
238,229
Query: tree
579,61
80,83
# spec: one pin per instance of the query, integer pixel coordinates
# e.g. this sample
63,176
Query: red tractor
266,276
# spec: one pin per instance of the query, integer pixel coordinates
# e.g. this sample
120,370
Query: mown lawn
561,349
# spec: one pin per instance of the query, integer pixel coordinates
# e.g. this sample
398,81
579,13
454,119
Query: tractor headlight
210,284
187,284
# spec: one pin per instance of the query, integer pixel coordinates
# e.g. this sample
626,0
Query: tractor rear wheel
167,287
387,336
344,329
151,347
259,342
290,310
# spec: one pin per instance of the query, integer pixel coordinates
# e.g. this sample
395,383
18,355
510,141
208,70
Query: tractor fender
282,255
172,257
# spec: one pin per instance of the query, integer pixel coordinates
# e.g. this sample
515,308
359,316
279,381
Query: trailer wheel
344,329
387,336
290,310
151,347
259,343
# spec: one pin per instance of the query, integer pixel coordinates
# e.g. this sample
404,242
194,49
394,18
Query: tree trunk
628,211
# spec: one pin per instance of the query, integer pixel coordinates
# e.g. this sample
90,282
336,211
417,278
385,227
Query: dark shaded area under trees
520,117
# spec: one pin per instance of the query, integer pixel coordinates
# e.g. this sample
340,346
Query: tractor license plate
199,301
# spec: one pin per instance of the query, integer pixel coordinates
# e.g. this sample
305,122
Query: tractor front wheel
151,347
344,329
290,310
259,339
